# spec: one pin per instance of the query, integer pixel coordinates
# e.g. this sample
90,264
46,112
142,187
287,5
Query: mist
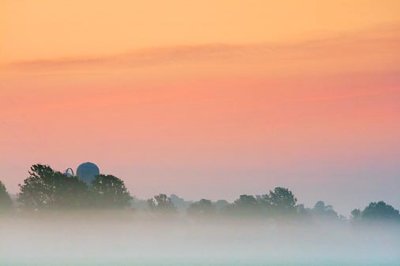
92,219
140,238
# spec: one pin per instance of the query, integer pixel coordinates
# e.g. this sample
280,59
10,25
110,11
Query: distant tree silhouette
48,189
179,203
246,201
280,201
245,205
109,191
5,199
322,210
380,211
302,211
45,188
202,207
356,214
161,203
221,204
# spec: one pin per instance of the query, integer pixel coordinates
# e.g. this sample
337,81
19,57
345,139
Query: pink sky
318,115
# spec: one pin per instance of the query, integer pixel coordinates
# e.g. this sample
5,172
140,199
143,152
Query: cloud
372,45
144,57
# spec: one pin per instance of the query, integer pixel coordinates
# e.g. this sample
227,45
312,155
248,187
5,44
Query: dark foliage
5,199
380,211
277,202
48,189
109,191
281,201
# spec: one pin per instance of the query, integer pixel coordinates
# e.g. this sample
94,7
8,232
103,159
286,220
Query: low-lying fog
123,238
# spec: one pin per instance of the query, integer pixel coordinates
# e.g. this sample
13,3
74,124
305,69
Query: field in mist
124,238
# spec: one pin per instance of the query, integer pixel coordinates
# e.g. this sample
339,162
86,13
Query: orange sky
206,98
50,29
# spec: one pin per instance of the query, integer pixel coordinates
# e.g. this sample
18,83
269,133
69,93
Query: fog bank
123,238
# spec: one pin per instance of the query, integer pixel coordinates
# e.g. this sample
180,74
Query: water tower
87,172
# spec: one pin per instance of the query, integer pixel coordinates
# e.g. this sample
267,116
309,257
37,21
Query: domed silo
87,172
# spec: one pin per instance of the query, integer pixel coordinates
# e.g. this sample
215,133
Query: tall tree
48,189
281,201
110,192
5,199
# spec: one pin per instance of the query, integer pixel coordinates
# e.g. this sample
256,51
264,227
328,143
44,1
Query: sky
206,99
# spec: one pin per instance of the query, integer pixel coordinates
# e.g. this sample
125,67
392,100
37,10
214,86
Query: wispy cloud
382,42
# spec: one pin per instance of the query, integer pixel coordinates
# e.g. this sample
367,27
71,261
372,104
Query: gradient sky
206,98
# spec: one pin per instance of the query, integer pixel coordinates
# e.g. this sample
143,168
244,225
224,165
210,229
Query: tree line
47,189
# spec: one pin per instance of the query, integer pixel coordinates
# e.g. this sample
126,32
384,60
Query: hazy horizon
206,99
343,203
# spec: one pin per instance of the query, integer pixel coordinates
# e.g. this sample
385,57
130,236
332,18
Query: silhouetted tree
356,215
110,192
246,201
47,189
161,203
380,211
322,210
202,207
245,205
280,201
5,199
